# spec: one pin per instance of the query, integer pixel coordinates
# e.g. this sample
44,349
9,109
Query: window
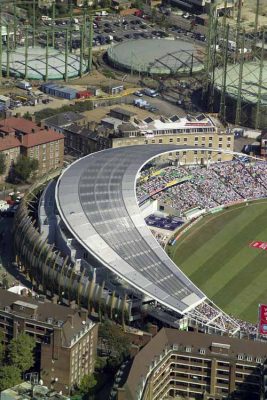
170,140
240,356
249,358
220,139
185,139
258,360
178,139
196,139
188,349
229,138
160,140
202,351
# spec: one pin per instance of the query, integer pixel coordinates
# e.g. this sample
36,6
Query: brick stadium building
65,339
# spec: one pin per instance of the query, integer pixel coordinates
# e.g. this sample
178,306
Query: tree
2,164
28,116
105,3
153,15
2,348
20,352
88,382
5,282
115,342
24,167
9,377
100,364
138,4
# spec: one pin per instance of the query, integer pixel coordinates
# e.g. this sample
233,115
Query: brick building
194,365
66,339
19,136
81,137
201,131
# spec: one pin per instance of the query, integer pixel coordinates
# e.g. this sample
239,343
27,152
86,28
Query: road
164,107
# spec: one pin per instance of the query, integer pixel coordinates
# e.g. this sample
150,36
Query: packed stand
241,178
152,183
206,187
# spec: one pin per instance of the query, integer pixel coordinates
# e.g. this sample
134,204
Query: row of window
185,140
187,130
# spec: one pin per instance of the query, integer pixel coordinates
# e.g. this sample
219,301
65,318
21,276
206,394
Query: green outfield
215,254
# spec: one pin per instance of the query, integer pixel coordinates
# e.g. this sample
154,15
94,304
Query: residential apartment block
191,365
65,339
19,136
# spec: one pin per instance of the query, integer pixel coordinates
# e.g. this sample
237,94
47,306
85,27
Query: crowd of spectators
157,180
206,187
211,313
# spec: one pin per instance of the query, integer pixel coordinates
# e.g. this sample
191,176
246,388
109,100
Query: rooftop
107,222
82,131
71,322
9,142
122,111
63,119
24,391
32,134
21,124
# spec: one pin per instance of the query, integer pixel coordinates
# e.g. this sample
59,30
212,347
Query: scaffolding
31,31
236,69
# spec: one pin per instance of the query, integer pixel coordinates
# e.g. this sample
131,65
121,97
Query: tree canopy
20,352
2,348
9,376
2,164
24,167
88,382
115,342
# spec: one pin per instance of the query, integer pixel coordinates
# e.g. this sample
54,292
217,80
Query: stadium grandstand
189,187
96,200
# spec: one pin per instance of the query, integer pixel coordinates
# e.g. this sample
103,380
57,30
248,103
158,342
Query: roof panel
96,199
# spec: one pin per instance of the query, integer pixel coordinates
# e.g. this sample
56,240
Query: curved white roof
96,200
